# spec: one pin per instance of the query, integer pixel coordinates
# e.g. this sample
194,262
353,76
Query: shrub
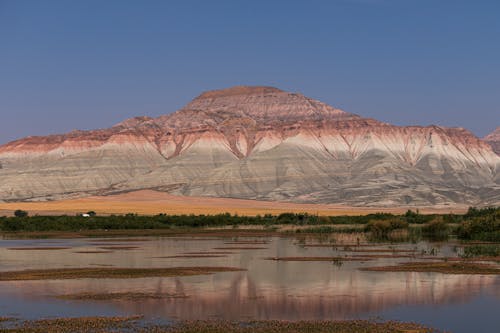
380,229
20,213
415,217
300,218
436,229
485,225
482,250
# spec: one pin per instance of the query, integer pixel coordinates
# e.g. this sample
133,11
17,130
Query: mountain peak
493,135
493,139
264,105
258,143
239,90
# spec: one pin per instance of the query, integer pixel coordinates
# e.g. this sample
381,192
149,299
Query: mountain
258,143
493,139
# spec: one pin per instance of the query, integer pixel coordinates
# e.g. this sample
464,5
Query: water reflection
267,290
238,296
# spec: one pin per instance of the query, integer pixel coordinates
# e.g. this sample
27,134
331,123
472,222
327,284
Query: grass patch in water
123,240
382,256
129,296
119,247
378,250
438,267
338,245
208,253
490,250
240,248
246,243
48,248
191,256
109,273
318,258
329,230
92,252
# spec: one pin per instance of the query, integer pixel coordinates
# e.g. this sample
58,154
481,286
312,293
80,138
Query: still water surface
268,289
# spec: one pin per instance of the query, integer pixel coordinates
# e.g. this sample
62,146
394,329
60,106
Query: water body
268,289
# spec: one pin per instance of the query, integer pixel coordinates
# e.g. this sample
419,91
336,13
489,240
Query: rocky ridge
493,139
258,143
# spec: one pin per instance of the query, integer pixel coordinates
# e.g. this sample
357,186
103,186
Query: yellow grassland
147,202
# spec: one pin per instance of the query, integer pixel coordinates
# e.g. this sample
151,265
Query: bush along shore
475,225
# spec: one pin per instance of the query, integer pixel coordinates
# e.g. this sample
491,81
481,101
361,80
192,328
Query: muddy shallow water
268,289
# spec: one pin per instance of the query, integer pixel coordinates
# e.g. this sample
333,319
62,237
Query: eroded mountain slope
258,143
493,139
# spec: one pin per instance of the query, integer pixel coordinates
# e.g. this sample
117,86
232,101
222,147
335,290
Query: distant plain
149,202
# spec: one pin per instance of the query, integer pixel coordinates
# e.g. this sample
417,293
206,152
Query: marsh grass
92,252
208,253
124,240
378,250
129,296
439,267
119,248
437,229
333,259
490,250
240,248
139,325
256,242
329,230
347,326
191,256
53,248
76,325
109,273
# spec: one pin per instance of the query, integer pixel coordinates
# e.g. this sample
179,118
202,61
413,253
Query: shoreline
138,324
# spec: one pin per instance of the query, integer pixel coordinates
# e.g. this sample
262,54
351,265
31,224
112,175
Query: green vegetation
382,229
163,221
436,229
477,224
327,229
438,267
416,217
482,250
481,224
20,213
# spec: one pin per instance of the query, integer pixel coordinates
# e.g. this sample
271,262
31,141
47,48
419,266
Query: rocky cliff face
258,143
493,139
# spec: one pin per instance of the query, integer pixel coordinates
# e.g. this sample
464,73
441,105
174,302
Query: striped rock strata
258,143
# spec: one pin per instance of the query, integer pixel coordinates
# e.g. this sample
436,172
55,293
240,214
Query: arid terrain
148,202
258,143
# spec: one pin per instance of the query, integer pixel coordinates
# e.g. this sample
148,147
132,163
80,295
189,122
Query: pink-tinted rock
258,143
493,139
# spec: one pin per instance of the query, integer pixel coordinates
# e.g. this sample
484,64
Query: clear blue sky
89,64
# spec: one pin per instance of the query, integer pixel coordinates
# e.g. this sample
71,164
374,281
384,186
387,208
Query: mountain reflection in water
267,290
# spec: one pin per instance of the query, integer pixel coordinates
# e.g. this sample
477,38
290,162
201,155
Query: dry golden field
151,202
